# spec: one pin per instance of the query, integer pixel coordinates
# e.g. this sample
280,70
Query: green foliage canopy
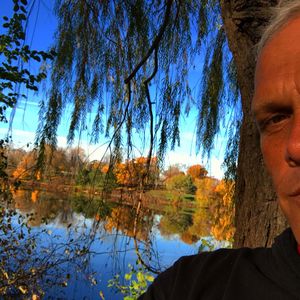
181,183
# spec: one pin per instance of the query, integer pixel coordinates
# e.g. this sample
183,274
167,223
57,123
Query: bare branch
155,43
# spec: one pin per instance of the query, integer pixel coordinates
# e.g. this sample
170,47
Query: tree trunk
258,218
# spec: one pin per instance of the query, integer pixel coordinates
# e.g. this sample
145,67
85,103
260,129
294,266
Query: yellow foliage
223,228
201,223
133,171
216,200
205,193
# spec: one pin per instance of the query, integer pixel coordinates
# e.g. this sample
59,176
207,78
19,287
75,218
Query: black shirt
261,273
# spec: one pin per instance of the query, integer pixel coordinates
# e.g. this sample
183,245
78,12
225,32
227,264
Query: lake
79,244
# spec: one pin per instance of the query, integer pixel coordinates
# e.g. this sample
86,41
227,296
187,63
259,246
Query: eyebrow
269,106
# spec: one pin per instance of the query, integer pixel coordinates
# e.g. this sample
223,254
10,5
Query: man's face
276,107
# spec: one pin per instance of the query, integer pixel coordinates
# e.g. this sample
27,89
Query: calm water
92,241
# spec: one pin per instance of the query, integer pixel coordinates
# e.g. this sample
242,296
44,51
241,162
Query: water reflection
95,240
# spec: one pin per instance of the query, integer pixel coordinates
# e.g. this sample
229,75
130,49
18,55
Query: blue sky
40,36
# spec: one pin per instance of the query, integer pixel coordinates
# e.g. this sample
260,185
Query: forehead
278,65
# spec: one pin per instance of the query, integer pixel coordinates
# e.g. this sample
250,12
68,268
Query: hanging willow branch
155,43
103,46
150,109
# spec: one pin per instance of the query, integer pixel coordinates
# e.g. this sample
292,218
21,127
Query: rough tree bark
258,218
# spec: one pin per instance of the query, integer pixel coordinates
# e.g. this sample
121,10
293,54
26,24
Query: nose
293,144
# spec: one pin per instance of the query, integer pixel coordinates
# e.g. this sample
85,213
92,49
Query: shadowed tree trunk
258,218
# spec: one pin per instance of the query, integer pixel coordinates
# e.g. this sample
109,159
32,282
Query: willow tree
132,59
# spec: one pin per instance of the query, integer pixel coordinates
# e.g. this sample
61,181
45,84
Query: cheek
273,157
268,154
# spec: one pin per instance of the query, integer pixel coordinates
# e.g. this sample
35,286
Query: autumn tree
133,172
124,46
196,171
25,168
205,193
181,183
76,158
59,163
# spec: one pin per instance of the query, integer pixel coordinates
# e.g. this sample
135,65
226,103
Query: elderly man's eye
277,119
273,121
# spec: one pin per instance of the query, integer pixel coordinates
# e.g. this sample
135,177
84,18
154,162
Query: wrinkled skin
276,108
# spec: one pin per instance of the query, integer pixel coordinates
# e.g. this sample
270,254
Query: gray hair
281,14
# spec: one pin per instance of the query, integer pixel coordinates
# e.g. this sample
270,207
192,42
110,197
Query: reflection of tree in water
133,227
175,222
213,215
124,222
90,208
190,226
130,227
131,231
44,207
32,262
122,219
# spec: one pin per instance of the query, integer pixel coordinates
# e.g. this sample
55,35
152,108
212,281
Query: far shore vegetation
69,171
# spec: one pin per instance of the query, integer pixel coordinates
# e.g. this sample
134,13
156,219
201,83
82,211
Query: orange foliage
25,167
197,172
223,228
104,169
132,172
34,196
189,238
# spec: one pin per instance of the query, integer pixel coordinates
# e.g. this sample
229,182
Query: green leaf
22,17
16,7
135,285
23,9
149,277
128,276
37,58
140,277
24,2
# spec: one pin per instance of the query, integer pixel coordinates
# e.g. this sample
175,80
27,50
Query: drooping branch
150,108
155,43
